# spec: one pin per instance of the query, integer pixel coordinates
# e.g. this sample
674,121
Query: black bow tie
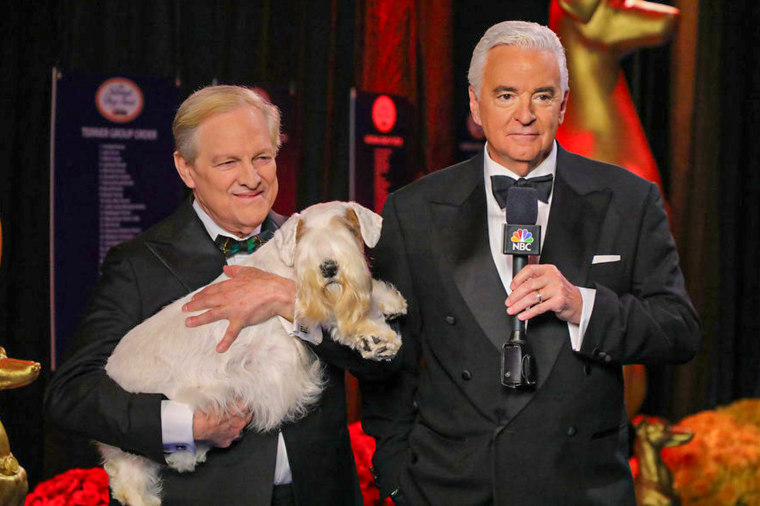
231,246
501,184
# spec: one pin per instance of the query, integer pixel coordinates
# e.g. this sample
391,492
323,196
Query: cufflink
175,448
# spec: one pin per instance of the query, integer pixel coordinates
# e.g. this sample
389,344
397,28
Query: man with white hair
226,141
606,291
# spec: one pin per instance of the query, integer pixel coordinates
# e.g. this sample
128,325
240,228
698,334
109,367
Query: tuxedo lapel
184,247
575,220
462,221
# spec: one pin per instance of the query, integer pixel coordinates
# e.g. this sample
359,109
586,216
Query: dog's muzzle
328,269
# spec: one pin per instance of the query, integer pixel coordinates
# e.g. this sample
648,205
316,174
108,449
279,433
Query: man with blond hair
226,140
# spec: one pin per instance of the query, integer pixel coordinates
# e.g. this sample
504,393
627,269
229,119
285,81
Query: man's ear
563,107
184,169
474,106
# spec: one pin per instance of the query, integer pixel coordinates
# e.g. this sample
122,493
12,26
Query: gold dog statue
13,480
601,120
654,484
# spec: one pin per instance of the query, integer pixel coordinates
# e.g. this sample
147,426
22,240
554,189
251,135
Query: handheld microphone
522,237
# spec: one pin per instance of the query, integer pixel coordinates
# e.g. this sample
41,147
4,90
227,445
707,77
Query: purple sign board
111,177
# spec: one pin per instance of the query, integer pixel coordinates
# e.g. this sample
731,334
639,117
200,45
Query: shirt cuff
578,331
177,427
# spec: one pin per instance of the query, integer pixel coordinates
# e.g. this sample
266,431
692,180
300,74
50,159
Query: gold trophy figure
13,480
654,484
601,120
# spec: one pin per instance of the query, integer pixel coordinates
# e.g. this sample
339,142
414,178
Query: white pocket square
604,259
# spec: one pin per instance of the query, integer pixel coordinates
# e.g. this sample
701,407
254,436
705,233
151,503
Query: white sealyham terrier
273,374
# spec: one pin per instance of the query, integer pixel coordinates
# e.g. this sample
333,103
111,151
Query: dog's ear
285,239
369,223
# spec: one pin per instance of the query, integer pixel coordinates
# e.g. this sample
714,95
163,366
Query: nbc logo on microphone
521,240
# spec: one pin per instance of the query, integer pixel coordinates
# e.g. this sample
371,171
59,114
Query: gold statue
654,484
13,480
601,120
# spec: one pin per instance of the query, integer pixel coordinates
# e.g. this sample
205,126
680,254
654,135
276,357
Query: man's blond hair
213,100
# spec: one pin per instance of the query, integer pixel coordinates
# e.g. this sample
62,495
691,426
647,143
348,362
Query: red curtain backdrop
406,50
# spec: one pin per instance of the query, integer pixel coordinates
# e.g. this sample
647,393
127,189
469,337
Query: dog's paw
389,301
379,346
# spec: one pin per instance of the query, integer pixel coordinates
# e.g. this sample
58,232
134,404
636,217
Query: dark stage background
698,98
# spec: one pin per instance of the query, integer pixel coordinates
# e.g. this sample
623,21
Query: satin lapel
575,220
184,247
463,233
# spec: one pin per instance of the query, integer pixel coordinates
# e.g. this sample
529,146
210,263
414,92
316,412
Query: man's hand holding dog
250,296
220,430
539,288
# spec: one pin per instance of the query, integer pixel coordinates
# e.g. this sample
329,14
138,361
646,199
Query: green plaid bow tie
230,246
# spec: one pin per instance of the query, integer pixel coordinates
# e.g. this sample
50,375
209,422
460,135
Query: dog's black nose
328,268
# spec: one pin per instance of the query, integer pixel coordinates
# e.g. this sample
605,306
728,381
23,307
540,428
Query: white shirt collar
213,229
548,166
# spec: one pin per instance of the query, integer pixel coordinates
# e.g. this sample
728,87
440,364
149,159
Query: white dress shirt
177,418
497,218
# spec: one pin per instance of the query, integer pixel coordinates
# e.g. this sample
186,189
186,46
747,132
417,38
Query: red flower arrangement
77,487
364,447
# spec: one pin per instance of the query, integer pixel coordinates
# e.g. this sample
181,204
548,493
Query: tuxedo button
466,375
587,370
451,320
597,353
571,431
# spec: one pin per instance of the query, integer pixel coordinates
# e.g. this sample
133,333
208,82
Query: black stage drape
311,45
736,350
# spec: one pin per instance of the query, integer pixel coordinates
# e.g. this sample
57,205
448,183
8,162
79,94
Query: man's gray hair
523,34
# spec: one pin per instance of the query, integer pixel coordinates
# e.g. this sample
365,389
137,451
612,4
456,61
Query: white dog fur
273,374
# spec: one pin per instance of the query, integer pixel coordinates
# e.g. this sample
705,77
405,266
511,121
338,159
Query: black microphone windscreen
522,206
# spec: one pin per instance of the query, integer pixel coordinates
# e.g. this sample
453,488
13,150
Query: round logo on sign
119,100
384,114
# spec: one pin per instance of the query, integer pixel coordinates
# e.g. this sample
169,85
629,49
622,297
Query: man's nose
524,112
249,175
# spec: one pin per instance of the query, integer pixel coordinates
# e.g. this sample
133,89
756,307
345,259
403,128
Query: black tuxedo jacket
137,279
447,431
